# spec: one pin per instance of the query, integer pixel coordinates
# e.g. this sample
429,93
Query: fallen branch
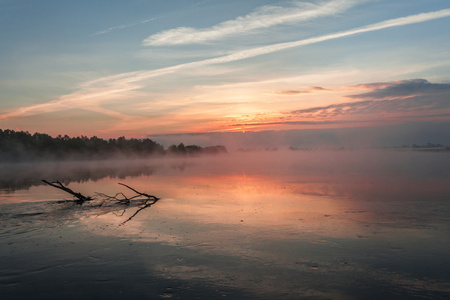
119,198
123,200
147,204
56,184
141,194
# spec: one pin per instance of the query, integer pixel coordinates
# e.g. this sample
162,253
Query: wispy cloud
123,26
95,92
404,88
389,102
337,122
410,97
250,53
263,17
292,92
310,89
201,2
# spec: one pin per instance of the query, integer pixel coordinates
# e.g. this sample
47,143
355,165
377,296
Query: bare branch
139,193
56,184
120,198
123,199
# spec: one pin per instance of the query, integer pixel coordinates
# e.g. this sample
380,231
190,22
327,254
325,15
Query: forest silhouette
16,146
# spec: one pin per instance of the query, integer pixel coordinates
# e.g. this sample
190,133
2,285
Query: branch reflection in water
288,225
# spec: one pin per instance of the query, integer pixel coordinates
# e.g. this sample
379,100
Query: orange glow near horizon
224,110
333,200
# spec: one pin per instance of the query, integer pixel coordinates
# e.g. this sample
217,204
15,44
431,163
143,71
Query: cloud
387,102
263,17
297,123
119,27
291,93
93,93
333,110
300,92
318,88
405,88
416,96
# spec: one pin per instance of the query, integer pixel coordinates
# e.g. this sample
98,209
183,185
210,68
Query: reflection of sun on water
258,205
295,212
221,225
292,219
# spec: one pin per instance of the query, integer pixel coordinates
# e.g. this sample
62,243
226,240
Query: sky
204,71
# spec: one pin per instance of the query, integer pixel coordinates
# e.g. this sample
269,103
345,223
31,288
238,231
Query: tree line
20,146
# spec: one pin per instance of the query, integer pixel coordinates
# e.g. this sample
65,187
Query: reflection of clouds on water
308,225
292,198
233,256
234,230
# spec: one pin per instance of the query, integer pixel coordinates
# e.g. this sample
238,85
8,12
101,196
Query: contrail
263,17
250,53
118,27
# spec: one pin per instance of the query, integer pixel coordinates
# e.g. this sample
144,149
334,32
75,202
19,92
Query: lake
372,224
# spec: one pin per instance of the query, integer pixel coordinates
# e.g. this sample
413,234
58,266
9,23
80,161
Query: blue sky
162,67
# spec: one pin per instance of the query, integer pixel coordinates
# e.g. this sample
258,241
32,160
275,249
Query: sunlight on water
268,225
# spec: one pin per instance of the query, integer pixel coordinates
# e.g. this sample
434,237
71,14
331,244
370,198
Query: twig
56,184
139,193
124,200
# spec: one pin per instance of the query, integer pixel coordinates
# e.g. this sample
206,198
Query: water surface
270,225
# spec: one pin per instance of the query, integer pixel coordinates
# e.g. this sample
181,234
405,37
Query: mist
357,137
339,167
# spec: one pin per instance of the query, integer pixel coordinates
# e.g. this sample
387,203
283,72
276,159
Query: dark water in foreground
294,225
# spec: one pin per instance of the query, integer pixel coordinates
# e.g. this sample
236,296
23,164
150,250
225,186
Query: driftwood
56,184
145,200
140,194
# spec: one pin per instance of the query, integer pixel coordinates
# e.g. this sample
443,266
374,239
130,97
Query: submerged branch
141,194
119,198
56,184
123,199
147,204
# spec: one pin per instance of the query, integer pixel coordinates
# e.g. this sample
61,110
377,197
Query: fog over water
255,225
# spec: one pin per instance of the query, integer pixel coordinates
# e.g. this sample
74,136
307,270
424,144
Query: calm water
279,225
